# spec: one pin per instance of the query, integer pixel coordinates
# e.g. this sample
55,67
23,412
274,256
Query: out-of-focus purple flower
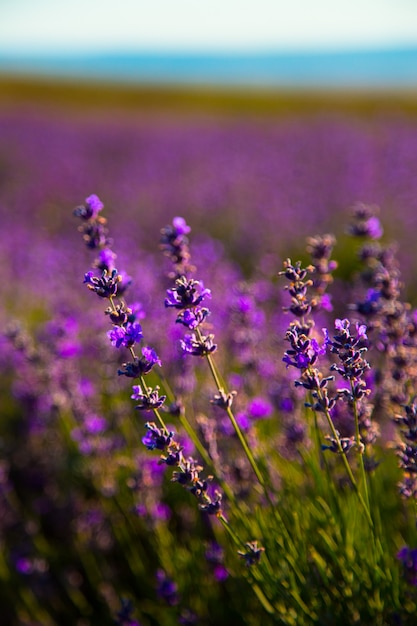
95,424
408,557
295,432
24,565
181,226
125,282
174,243
138,312
166,588
286,405
93,206
374,228
326,302
220,573
253,553
105,260
161,511
215,556
124,615
259,408
365,223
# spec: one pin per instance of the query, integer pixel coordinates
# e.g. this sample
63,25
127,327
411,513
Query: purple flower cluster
408,558
174,244
349,350
186,296
407,450
391,323
252,554
124,615
126,331
365,222
305,350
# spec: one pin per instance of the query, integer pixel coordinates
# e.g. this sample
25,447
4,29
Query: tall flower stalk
303,355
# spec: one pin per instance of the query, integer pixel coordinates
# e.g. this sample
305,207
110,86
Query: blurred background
295,110
292,111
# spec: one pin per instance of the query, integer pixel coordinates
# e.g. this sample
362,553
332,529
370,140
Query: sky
38,26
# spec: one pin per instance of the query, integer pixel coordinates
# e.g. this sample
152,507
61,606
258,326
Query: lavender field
209,367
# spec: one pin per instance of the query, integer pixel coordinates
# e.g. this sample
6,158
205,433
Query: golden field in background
87,95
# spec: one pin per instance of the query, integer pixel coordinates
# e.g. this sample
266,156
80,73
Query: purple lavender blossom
253,554
155,438
95,424
125,336
140,365
192,344
174,244
259,408
365,223
192,318
180,226
124,615
147,401
91,209
186,294
106,286
408,558
106,259
349,350
167,589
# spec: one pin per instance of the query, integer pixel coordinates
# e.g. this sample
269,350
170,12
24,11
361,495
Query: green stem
348,469
360,448
252,461
235,425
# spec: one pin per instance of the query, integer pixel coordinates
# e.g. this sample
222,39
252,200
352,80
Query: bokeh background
261,122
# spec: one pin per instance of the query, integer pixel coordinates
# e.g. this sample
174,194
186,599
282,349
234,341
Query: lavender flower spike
105,286
186,294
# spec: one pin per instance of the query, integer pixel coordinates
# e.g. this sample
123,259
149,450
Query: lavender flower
156,438
198,345
148,401
166,588
126,335
253,554
365,223
186,294
349,349
106,286
91,209
304,351
140,365
174,244
124,615
408,558
192,319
